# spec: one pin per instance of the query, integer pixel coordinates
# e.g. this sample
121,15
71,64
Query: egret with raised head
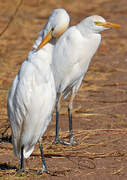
72,55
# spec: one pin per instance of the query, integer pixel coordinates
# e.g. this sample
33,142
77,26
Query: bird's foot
22,170
73,142
59,141
44,169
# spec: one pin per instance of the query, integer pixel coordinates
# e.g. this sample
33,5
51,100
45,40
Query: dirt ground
100,107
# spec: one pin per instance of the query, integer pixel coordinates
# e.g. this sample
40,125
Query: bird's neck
85,30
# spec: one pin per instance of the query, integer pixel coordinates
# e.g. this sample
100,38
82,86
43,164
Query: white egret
72,55
32,95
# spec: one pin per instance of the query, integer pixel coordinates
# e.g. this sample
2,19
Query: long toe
23,171
59,141
73,142
43,170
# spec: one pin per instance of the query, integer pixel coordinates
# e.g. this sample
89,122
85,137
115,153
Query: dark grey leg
57,139
57,123
44,169
70,123
22,161
22,169
70,107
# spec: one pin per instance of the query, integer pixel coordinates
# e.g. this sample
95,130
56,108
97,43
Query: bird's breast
88,49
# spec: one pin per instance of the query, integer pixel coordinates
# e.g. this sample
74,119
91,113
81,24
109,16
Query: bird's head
57,24
97,23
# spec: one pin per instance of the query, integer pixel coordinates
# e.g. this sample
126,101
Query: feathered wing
65,60
71,59
15,127
30,107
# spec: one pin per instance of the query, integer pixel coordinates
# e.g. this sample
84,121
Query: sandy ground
99,116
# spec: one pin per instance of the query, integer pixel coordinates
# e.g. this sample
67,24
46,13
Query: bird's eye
98,23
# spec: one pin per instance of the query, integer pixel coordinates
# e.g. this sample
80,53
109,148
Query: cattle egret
72,55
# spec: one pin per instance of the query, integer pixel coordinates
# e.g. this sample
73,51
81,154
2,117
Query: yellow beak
107,24
46,39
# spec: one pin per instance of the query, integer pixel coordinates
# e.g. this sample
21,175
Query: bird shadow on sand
5,139
5,166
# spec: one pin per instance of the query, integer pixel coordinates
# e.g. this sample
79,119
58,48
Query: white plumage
72,55
31,102
32,95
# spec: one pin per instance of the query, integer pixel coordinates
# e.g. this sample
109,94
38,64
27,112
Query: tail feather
28,151
16,148
16,145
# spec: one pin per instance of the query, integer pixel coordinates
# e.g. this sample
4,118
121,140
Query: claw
23,171
44,169
59,141
71,143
